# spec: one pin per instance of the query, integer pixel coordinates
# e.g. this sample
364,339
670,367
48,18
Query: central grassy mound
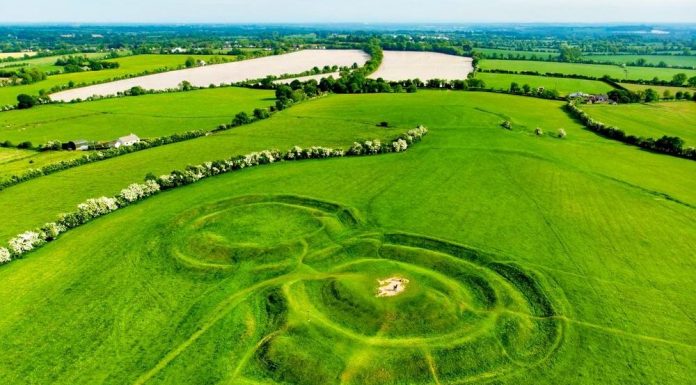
314,268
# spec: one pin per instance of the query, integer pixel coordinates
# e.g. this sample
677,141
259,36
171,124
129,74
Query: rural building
76,145
127,140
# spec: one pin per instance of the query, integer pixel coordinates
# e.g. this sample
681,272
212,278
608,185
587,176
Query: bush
507,125
538,131
5,255
25,101
241,119
561,133
25,145
261,113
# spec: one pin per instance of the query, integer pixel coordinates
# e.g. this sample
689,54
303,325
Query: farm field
503,53
147,116
5,55
128,65
562,85
407,65
291,63
596,70
47,63
660,89
650,119
268,275
670,60
14,161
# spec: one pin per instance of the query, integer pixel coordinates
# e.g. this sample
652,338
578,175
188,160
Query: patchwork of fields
147,116
129,65
523,257
291,63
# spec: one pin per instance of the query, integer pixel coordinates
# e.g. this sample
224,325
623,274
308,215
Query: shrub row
97,207
672,145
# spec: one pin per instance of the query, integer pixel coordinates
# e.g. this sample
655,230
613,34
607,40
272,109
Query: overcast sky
329,11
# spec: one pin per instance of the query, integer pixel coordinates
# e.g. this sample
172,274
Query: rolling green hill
529,259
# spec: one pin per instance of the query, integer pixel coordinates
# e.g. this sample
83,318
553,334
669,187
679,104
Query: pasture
270,275
129,65
595,70
660,89
407,65
650,119
148,116
5,55
670,60
291,63
505,53
15,162
47,63
564,86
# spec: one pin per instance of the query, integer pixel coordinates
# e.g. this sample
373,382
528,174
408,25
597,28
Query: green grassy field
15,162
562,85
47,63
660,89
670,60
651,119
506,52
147,116
577,268
596,70
128,65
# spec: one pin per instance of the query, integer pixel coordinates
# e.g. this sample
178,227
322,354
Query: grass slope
146,116
15,162
650,119
590,280
128,65
563,86
596,70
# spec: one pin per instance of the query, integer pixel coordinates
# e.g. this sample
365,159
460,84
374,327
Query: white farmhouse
127,140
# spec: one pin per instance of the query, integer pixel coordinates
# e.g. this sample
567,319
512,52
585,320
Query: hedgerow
671,145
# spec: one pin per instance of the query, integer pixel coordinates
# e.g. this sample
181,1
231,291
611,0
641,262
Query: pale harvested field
295,62
335,75
5,55
404,65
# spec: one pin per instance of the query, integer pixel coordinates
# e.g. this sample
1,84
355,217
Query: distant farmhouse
127,140
589,98
84,145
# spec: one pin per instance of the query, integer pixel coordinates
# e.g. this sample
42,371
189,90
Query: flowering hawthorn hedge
97,207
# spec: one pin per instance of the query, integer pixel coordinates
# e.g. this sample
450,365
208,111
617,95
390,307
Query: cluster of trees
671,145
27,75
541,92
83,63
